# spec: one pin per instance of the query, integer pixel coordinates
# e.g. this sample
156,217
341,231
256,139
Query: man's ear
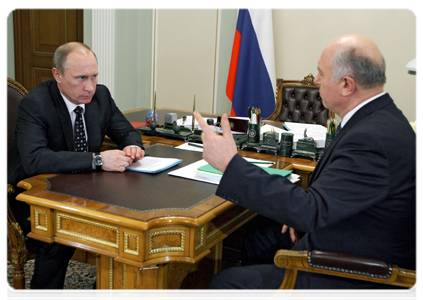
347,86
56,75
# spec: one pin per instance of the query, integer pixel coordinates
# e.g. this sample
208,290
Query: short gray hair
62,52
365,71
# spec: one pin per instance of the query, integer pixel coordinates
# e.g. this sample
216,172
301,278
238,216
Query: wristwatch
98,161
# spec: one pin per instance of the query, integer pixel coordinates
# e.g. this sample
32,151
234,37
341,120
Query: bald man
361,197
45,142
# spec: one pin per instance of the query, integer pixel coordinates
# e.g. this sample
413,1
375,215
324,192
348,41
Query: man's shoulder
102,97
45,88
102,90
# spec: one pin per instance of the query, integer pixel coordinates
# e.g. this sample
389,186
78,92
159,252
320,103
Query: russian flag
251,78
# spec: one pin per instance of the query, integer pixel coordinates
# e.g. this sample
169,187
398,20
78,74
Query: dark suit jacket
43,140
361,197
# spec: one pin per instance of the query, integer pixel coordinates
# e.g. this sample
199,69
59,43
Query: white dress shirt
349,115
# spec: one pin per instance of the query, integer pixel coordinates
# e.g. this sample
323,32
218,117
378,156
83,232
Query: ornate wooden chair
17,253
299,101
341,265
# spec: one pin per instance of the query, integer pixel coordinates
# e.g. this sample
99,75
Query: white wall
134,56
194,49
185,60
301,35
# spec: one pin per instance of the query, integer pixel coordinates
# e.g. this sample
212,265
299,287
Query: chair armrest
349,264
341,265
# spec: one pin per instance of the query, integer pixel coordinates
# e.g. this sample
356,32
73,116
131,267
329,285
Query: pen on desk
286,127
195,145
262,162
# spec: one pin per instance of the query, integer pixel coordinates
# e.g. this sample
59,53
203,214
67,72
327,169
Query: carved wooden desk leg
116,275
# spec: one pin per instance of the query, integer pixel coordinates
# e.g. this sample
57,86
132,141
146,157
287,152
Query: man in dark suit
44,141
361,196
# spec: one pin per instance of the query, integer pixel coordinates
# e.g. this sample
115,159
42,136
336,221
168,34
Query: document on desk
151,164
190,172
191,147
202,171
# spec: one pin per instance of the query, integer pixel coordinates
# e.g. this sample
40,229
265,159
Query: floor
79,275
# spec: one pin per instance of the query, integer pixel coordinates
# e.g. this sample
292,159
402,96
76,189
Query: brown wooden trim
80,25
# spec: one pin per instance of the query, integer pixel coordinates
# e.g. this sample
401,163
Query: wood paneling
37,35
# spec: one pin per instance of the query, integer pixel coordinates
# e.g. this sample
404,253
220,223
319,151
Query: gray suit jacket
361,197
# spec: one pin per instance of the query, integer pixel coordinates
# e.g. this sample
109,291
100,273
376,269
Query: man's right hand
217,150
115,160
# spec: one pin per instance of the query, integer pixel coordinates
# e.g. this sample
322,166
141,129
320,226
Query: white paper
186,146
150,164
191,172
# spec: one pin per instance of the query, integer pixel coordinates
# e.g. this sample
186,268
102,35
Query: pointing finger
204,126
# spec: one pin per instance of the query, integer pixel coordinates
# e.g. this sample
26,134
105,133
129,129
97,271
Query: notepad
150,164
209,169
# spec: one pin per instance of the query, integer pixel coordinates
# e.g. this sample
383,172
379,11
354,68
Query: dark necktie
79,131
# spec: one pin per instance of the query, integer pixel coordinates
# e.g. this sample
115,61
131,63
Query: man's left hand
134,152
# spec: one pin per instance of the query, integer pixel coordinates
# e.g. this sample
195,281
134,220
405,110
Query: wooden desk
143,240
150,246
302,167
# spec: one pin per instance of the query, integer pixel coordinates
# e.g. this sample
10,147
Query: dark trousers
51,261
258,270
50,266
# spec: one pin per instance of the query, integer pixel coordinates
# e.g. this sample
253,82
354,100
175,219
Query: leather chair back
15,92
17,254
299,101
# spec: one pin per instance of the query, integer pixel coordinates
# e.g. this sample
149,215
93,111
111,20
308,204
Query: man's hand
115,160
217,150
134,152
292,233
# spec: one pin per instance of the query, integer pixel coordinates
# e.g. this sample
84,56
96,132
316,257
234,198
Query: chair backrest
15,92
299,101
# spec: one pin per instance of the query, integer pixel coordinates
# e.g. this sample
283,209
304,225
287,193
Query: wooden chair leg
19,278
